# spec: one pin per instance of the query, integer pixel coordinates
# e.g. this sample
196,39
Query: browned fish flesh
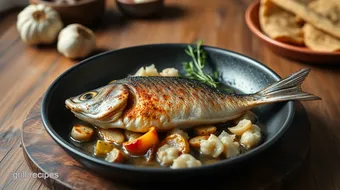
138,103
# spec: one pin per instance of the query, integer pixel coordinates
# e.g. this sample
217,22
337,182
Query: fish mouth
71,106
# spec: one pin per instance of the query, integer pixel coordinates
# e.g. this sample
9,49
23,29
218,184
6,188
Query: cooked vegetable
177,141
205,130
194,68
82,133
130,136
231,148
111,135
150,154
185,161
180,132
248,115
115,155
225,134
169,72
102,148
241,127
166,154
143,143
251,138
196,141
147,71
212,146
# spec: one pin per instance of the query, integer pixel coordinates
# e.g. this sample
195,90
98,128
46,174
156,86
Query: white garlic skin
76,41
38,24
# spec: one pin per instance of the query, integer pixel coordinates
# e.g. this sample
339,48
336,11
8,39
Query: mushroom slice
180,132
115,155
111,135
205,130
196,141
82,133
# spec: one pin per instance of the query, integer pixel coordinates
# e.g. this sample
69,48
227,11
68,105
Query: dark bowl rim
260,34
68,146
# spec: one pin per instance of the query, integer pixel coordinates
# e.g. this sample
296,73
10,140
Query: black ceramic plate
236,70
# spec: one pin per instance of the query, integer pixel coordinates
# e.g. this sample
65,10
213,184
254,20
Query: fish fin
287,89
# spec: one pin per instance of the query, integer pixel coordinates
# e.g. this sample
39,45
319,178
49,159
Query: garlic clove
169,72
241,127
76,41
150,70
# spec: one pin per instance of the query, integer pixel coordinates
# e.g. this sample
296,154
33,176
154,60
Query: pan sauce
143,161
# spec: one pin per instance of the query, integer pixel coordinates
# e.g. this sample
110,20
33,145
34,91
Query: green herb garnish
194,68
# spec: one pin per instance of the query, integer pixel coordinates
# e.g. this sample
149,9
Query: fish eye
88,96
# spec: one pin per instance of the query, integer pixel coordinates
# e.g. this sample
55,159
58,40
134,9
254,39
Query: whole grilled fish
138,103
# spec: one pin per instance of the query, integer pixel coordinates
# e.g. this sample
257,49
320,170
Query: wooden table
26,72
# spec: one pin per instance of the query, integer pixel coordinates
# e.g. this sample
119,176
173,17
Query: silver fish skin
139,103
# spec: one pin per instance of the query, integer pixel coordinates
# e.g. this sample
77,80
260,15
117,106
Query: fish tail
286,89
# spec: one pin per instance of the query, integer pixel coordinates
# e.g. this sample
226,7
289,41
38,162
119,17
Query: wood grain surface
273,169
26,72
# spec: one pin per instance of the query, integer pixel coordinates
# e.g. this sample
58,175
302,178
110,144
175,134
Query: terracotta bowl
85,12
147,9
286,50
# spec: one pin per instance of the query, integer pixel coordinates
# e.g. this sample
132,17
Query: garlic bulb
39,24
76,41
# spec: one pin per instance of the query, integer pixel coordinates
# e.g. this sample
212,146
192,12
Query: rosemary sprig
194,68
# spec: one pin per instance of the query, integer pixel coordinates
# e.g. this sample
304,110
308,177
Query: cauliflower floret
251,137
169,72
166,154
185,161
147,71
180,132
212,146
231,148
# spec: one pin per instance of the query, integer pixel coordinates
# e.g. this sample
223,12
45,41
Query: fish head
103,104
